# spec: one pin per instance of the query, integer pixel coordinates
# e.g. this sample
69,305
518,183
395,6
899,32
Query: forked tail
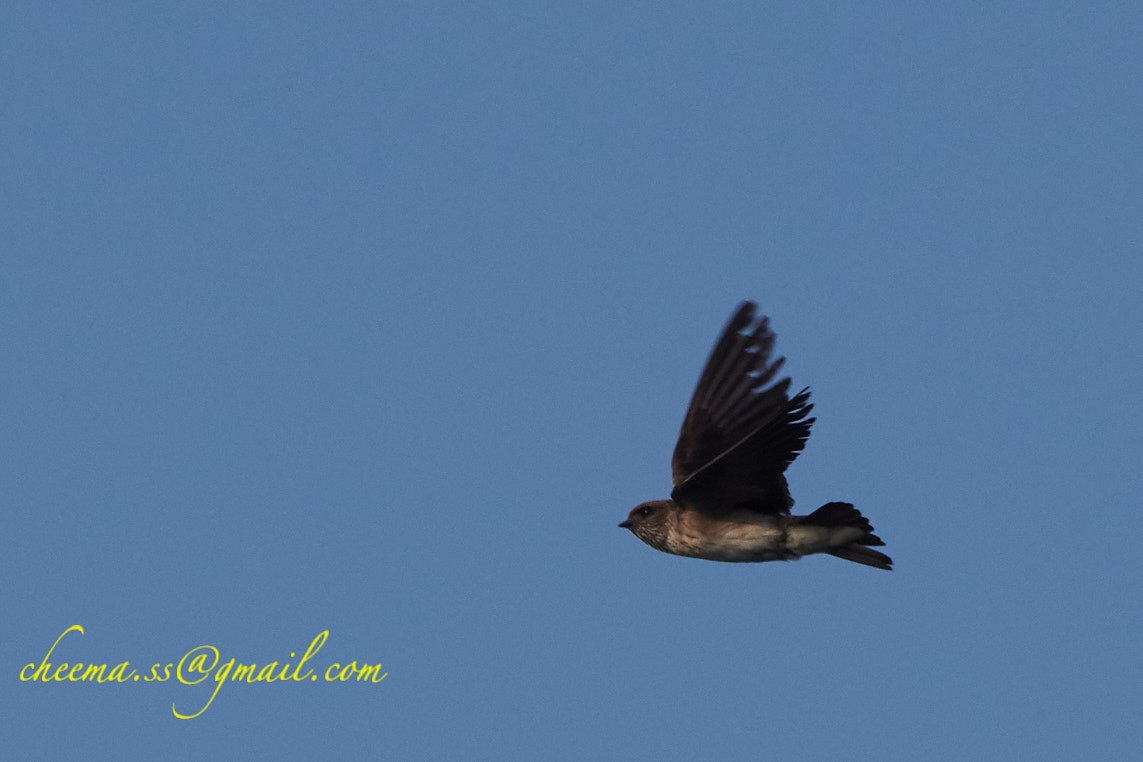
849,547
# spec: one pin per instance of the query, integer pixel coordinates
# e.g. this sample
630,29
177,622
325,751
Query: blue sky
377,318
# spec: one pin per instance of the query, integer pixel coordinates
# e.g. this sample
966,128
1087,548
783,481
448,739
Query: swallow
730,500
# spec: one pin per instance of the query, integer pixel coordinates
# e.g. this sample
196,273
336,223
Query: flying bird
730,500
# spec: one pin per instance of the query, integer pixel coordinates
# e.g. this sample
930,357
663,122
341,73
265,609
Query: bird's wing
741,431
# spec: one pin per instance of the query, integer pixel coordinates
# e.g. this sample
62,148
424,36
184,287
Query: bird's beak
625,524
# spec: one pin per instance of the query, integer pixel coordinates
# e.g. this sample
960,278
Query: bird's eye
645,510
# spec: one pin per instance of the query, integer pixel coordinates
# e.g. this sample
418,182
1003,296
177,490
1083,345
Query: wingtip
743,316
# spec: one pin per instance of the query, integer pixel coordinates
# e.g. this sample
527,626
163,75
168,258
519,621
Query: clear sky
377,318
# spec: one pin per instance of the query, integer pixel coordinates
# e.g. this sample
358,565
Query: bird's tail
844,515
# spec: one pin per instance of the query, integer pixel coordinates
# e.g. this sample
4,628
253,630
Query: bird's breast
756,538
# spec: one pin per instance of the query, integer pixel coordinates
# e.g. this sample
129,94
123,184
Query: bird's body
730,500
743,535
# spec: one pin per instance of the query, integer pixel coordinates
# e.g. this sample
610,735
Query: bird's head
648,521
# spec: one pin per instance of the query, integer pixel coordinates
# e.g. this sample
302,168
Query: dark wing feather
741,431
